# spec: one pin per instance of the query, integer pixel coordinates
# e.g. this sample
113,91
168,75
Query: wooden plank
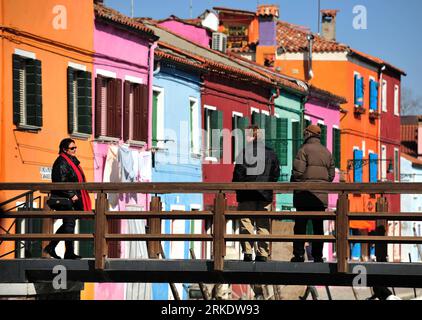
45,236
401,216
207,187
154,228
193,215
50,214
158,237
219,231
342,231
278,238
385,239
101,205
282,214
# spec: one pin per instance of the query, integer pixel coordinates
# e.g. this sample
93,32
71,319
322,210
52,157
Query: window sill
211,159
107,139
135,143
196,155
29,128
80,136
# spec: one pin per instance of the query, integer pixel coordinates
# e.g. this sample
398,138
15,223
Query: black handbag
59,203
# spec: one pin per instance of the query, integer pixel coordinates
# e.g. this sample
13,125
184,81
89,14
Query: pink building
123,69
323,109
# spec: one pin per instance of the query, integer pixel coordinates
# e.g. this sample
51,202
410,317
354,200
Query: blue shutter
373,104
356,89
357,172
373,167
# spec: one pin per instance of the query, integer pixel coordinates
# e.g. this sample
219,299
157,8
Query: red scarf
86,200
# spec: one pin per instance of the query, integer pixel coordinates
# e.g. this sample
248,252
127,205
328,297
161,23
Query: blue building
176,139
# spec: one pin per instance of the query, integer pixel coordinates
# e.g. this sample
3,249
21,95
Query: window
396,165
396,100
194,126
239,125
373,95
336,147
79,101
357,172
135,115
108,107
27,92
213,120
323,133
384,95
358,90
158,117
383,163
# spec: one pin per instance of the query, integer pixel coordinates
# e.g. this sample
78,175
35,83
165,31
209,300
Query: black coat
63,172
248,169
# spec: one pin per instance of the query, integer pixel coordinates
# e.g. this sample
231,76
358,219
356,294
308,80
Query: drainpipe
272,99
150,83
310,74
380,101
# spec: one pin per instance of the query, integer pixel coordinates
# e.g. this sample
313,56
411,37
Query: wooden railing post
101,206
47,227
381,249
219,231
154,227
342,233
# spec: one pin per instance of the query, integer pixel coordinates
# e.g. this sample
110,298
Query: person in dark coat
313,163
66,168
255,163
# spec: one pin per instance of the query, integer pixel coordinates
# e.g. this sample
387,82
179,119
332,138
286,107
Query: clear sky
392,25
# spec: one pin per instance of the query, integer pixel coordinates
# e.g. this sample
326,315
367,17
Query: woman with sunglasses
66,168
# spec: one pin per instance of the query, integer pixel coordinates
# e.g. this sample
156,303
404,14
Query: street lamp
360,163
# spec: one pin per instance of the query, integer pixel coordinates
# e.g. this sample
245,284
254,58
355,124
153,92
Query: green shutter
307,123
33,93
270,131
154,118
86,247
282,142
336,147
323,134
17,66
296,138
70,97
217,124
84,103
256,118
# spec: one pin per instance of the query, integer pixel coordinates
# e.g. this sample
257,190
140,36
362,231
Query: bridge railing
218,216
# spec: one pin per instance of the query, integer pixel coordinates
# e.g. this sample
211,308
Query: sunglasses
73,148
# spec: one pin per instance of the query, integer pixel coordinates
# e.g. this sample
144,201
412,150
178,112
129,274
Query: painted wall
175,161
267,31
25,153
196,34
128,56
411,203
288,106
229,96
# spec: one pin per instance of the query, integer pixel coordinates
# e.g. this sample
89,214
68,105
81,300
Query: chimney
99,1
267,17
328,21
419,135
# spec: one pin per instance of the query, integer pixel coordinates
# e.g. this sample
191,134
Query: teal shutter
373,167
336,147
323,134
84,103
17,66
282,142
358,172
240,123
70,97
296,141
217,124
86,247
33,92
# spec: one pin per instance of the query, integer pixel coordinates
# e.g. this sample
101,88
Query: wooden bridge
218,269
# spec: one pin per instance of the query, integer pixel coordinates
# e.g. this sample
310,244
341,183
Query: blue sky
391,34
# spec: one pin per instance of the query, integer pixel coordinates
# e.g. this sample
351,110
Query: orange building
45,82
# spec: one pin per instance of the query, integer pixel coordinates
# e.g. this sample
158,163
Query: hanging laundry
145,166
126,164
112,174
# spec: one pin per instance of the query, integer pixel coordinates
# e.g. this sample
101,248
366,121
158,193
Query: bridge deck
193,271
